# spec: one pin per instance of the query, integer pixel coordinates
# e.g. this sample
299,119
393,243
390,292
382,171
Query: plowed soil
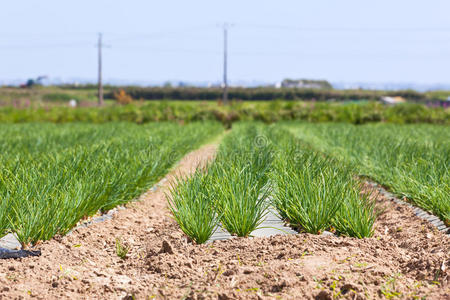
407,258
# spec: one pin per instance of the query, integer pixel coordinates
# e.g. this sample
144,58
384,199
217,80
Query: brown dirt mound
407,258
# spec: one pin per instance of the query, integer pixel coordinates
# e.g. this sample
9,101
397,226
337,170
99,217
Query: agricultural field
348,241
87,94
312,192
54,175
411,160
51,104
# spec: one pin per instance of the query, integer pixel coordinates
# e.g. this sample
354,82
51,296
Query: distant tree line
259,94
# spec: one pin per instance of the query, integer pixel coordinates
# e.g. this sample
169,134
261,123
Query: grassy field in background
38,96
51,104
268,112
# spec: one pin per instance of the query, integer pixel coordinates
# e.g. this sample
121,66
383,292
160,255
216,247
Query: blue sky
345,40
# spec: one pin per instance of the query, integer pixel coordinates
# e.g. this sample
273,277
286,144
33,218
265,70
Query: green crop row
54,175
412,160
228,191
260,166
268,112
316,192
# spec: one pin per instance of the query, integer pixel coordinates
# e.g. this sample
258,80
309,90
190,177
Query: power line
344,29
62,45
300,54
182,32
159,34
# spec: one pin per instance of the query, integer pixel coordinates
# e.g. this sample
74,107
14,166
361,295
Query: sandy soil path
406,258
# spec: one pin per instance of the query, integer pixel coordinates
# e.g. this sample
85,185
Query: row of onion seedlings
260,166
54,175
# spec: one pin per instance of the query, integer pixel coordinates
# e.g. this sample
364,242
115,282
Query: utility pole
225,61
100,84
